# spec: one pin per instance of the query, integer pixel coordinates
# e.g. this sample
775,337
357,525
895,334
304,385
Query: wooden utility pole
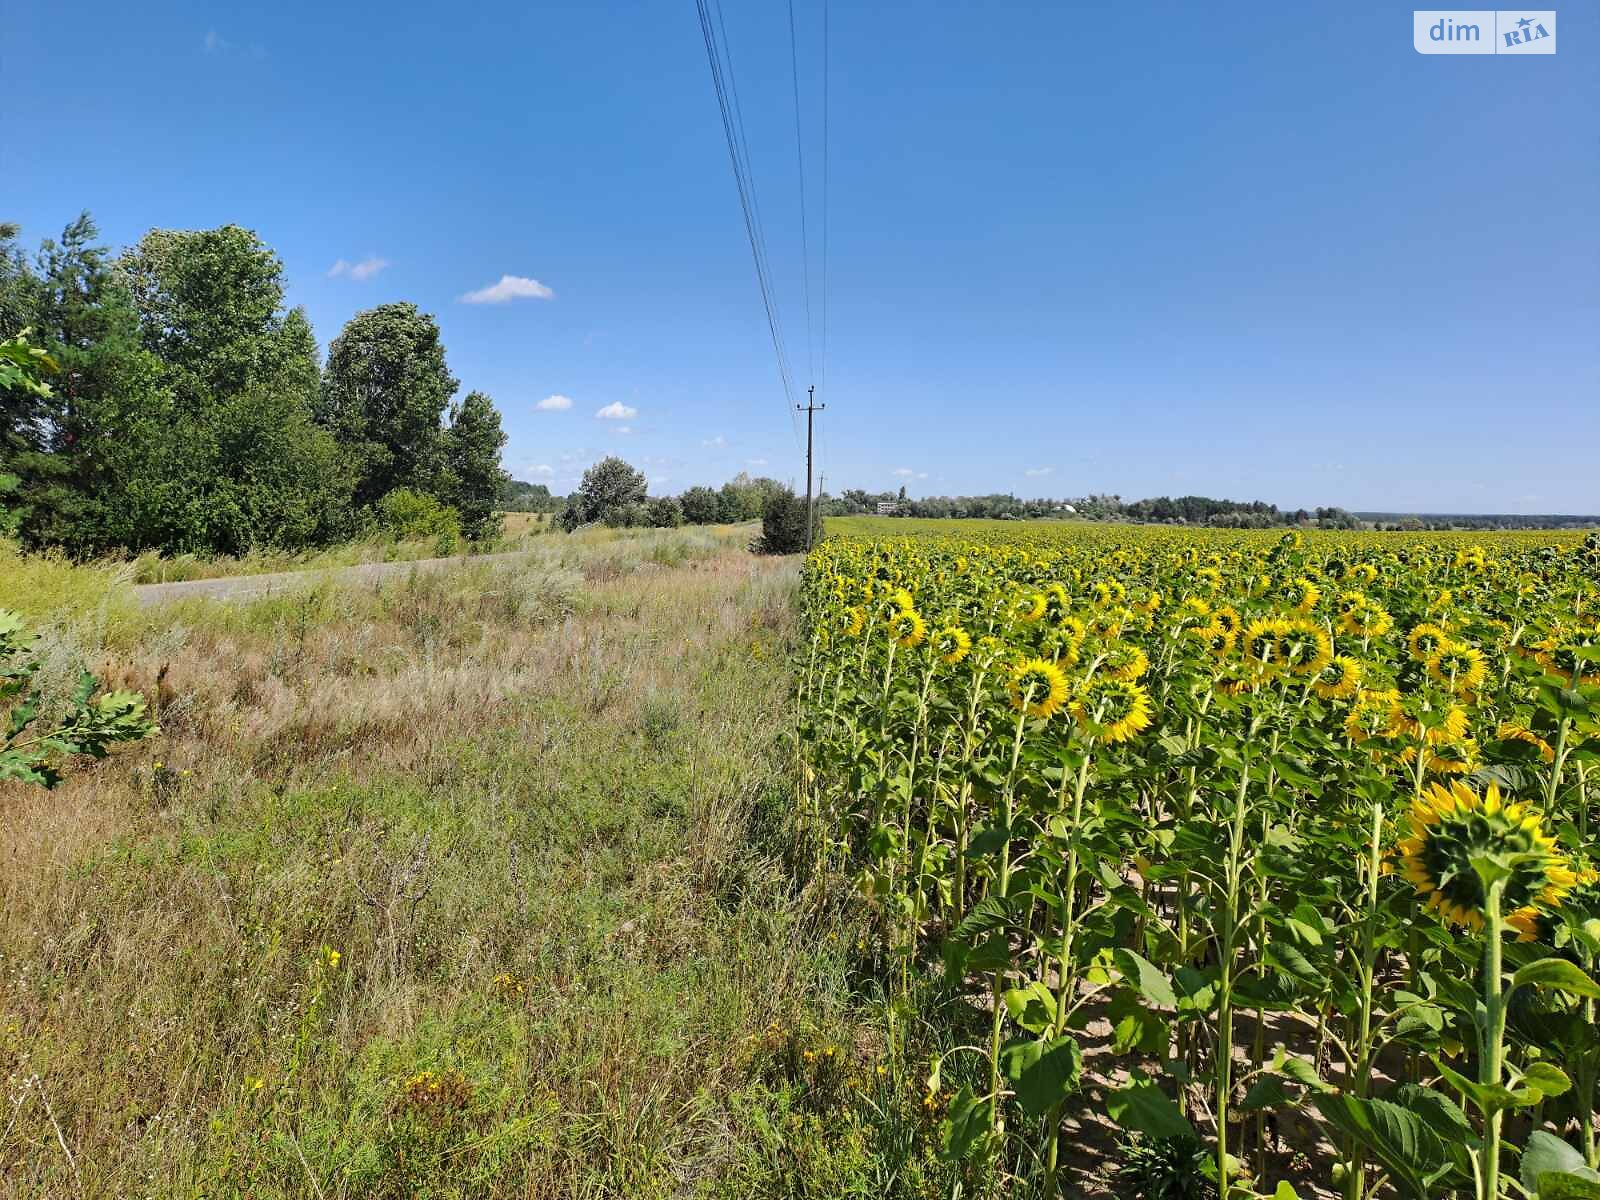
810,407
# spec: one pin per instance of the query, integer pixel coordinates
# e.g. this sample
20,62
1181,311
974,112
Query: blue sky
1247,250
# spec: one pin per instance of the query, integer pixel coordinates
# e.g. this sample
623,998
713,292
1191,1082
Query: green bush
783,524
404,514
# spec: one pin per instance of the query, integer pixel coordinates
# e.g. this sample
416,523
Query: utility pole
810,407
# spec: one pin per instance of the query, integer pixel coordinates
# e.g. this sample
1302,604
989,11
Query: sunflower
1367,620
1338,679
1511,731
908,628
1364,573
1451,727
1038,688
1026,607
952,644
1371,716
853,620
1300,594
1232,682
1424,640
1458,666
1304,647
1056,603
1458,757
1260,643
894,602
1124,661
1451,825
1112,710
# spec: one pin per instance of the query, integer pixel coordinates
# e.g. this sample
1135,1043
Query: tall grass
467,883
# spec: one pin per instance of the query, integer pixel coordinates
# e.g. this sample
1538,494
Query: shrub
783,524
665,513
405,514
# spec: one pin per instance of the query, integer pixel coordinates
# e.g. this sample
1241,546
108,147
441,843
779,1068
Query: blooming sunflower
1026,607
1056,603
1367,620
1300,594
1422,641
908,628
1304,647
1122,660
1512,731
1260,643
1113,710
1038,688
895,602
852,620
1338,679
1451,825
952,644
1459,667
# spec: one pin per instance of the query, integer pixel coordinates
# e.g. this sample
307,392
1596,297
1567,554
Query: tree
472,463
384,391
665,513
209,303
783,524
699,506
608,486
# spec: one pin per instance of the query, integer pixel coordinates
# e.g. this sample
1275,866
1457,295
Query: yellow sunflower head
1461,668
952,644
1451,825
1260,643
1112,710
908,628
1304,647
1339,679
1123,660
1299,594
894,601
1026,607
1424,640
852,620
1514,731
1038,688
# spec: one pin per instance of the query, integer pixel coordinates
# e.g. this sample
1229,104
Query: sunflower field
1271,847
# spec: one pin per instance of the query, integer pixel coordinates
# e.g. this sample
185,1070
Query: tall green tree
472,463
699,506
210,305
384,390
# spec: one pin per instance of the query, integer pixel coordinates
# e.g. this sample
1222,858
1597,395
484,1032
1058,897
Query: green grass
541,812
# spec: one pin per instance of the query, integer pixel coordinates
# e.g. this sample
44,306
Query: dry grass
494,825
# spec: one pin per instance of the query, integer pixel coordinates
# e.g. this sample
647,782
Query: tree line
1186,510
190,410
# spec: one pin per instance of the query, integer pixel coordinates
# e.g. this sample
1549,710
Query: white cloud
1037,472
555,403
214,42
544,469
510,287
715,443
755,462
616,411
908,473
365,269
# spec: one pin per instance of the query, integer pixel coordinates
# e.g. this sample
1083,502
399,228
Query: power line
800,164
823,380
721,62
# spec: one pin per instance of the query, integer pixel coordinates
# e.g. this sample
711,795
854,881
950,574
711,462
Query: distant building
1067,508
888,508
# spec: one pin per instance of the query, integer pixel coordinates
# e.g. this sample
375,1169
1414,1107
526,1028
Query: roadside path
251,587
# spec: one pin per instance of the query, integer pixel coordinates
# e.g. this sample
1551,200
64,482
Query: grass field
469,885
